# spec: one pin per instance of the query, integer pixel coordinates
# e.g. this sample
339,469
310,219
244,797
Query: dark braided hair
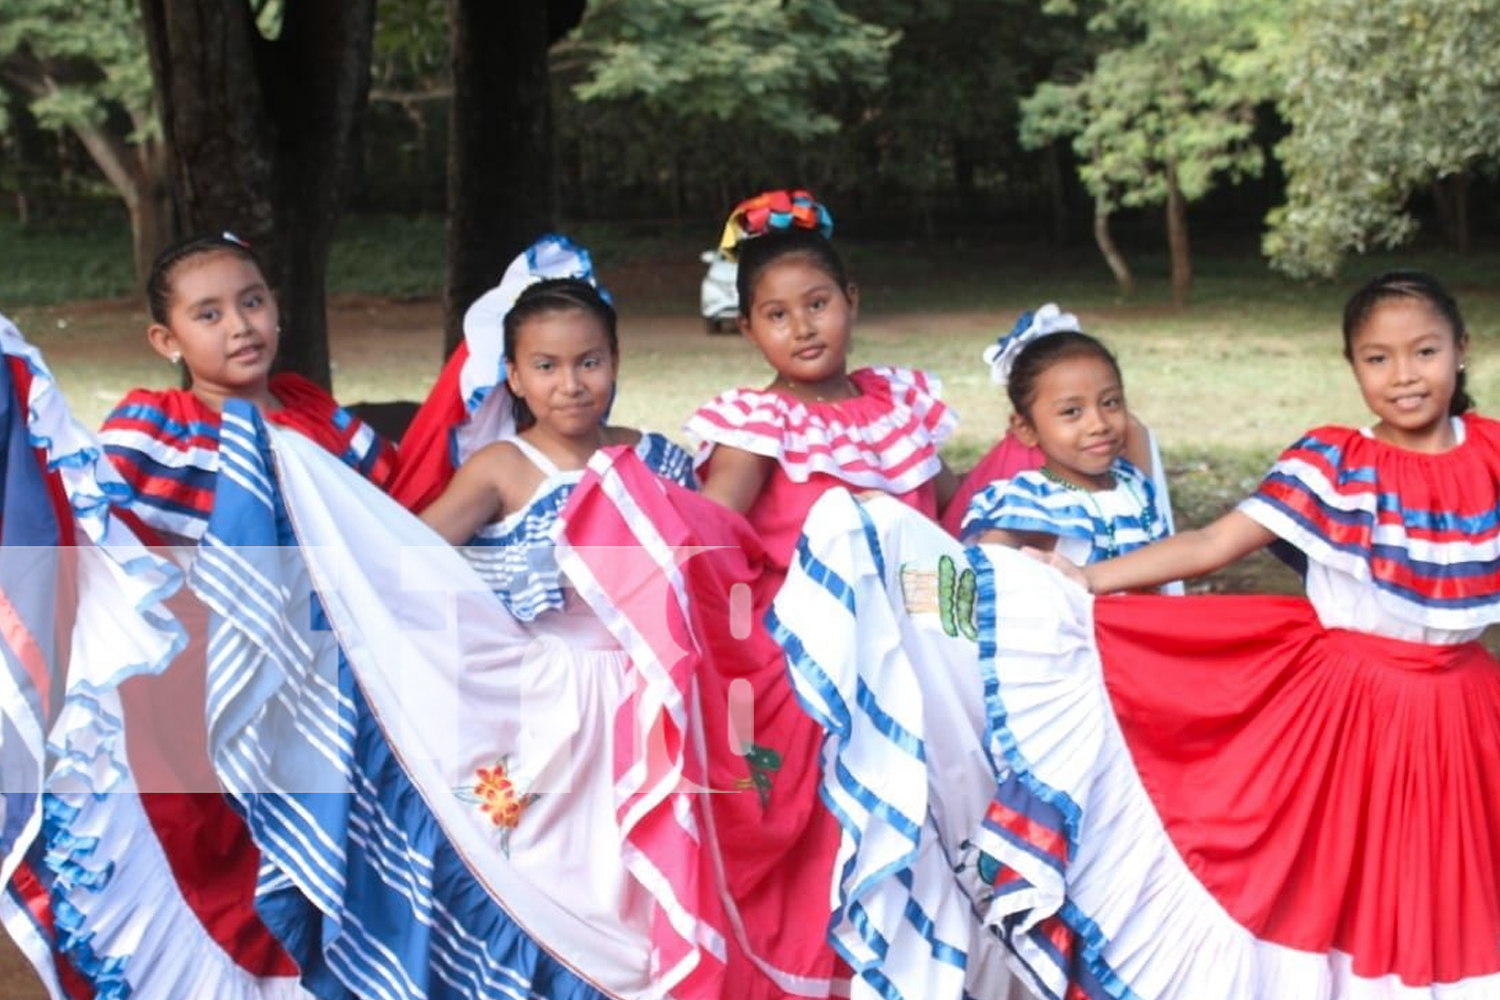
1044,352
1418,286
760,252
159,283
550,296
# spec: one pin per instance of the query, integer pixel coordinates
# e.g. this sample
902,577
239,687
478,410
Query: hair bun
770,212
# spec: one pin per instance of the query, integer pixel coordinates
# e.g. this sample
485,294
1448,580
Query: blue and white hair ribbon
490,414
1047,320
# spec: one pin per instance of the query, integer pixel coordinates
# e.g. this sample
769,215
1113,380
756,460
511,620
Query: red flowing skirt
1333,790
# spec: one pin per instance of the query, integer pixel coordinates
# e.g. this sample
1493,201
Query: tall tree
82,67
501,192
758,62
259,114
1384,100
1165,112
718,94
943,128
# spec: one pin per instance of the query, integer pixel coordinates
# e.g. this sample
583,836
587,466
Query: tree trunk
1444,206
316,77
139,176
965,168
500,195
1177,240
1057,189
152,226
1112,256
259,133
1459,183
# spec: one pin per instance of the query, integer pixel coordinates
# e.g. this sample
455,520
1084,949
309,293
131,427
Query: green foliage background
1334,124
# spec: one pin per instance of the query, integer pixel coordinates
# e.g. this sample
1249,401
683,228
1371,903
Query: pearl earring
176,357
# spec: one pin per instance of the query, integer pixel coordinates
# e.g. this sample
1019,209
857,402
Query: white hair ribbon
1048,319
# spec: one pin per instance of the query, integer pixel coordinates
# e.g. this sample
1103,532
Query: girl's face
800,319
564,370
1406,359
223,322
1078,419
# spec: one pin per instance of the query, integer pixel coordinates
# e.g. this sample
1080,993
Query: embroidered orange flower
497,796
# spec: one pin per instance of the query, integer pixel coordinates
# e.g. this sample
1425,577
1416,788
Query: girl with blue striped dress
1088,501
1237,796
155,885
561,354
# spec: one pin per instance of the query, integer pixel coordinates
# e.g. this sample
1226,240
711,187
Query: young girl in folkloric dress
1013,454
1225,796
511,826
214,315
561,361
562,355
1088,501
196,931
771,452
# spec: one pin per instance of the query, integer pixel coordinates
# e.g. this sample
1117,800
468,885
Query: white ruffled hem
904,765
1146,925
120,890
114,899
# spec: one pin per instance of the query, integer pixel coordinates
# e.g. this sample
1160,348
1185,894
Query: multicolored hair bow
1047,320
770,212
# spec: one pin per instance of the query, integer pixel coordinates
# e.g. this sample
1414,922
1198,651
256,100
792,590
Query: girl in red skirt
1214,796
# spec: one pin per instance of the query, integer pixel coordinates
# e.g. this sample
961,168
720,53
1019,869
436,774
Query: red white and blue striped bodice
1418,533
165,444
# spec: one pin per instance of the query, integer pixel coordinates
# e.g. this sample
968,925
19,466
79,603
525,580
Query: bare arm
1016,539
945,484
1181,557
473,497
734,477
1138,446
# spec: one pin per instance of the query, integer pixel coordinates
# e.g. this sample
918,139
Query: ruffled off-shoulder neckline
1422,528
885,438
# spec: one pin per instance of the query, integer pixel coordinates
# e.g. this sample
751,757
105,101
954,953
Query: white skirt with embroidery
573,680
884,654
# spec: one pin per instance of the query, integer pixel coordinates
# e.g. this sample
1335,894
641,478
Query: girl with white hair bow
1010,455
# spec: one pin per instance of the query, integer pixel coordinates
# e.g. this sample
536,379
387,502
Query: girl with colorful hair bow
779,824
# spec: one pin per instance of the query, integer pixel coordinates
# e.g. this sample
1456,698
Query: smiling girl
562,355
1088,501
1405,342
215,317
